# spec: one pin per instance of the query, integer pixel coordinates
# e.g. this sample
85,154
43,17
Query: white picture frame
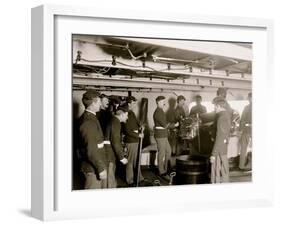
52,197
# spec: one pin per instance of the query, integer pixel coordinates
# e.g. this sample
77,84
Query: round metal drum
192,170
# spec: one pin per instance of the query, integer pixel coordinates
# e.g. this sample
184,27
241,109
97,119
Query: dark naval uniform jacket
179,113
198,109
91,145
223,125
160,123
113,141
104,117
212,116
131,128
246,120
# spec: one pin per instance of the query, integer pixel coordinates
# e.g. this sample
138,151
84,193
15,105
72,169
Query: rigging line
144,55
118,62
174,69
96,61
131,66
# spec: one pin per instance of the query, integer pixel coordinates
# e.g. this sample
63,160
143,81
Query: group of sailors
178,114
100,143
104,129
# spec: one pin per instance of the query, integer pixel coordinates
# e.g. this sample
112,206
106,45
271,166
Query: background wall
15,112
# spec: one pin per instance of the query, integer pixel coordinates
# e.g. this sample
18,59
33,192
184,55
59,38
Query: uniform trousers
220,169
176,143
92,181
244,142
164,154
132,165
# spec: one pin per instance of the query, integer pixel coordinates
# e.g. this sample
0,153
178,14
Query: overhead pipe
166,59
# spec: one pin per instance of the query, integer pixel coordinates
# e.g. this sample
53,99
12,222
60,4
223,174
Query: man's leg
130,164
173,142
161,143
111,180
244,140
218,170
168,153
178,146
224,169
215,170
91,181
135,163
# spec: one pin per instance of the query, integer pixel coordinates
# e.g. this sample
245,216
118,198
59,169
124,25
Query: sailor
222,92
161,136
133,132
104,115
246,132
219,160
180,112
113,143
198,108
172,132
115,102
91,148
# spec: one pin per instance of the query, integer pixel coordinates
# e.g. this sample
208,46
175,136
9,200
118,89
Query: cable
95,61
131,66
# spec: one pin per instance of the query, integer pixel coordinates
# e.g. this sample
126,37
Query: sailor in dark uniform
161,136
180,112
113,143
246,129
172,132
219,160
198,108
91,148
104,115
222,92
115,102
132,131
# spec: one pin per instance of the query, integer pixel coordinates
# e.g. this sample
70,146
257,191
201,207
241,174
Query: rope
131,66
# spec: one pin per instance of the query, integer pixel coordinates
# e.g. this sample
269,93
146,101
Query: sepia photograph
152,112
160,112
